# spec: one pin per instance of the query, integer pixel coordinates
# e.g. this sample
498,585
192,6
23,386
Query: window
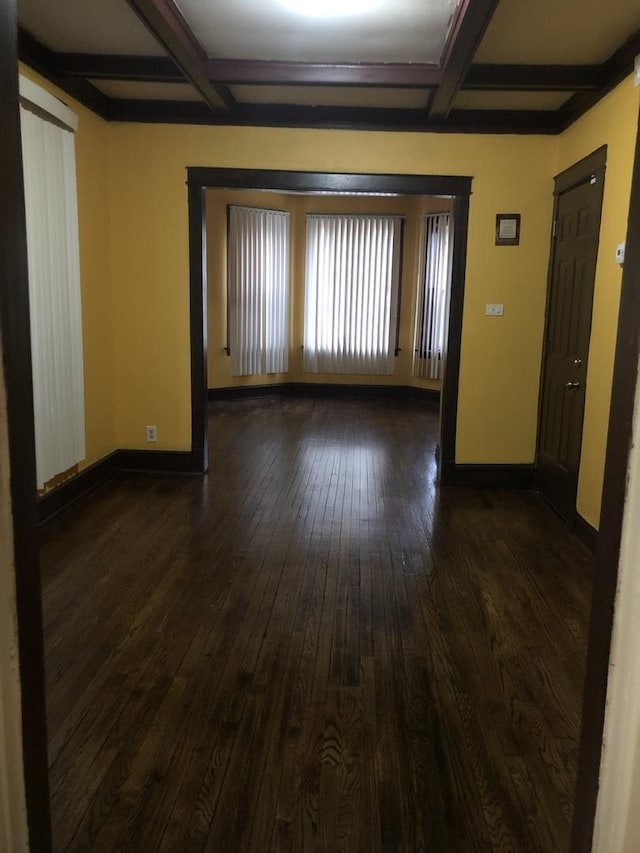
48,151
351,294
258,290
434,275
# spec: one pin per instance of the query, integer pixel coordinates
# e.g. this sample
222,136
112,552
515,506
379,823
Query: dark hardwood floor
313,649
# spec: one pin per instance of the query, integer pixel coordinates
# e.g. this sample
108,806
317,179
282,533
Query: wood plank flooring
313,649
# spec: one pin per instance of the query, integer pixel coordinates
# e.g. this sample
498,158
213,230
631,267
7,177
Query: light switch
494,310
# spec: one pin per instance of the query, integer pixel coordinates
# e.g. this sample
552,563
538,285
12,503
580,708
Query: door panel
568,328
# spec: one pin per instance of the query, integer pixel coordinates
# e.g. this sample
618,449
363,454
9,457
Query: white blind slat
53,257
432,295
258,270
351,293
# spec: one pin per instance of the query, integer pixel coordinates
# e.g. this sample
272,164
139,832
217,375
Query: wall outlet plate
494,310
151,433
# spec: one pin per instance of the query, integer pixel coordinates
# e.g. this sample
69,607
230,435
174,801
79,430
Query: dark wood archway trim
625,374
202,178
15,361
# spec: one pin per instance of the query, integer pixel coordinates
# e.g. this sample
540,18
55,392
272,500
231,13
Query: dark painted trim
163,112
326,389
156,69
471,19
44,61
534,78
247,392
290,181
342,118
625,375
166,462
613,71
416,75
162,461
490,476
449,404
91,478
586,533
15,362
197,200
593,164
456,186
69,72
501,121
165,21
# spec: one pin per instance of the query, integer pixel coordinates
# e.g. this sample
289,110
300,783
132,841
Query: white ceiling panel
87,26
510,100
136,90
332,96
390,31
558,32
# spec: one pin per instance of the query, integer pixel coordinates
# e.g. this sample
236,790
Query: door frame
15,361
572,177
16,353
199,179
623,397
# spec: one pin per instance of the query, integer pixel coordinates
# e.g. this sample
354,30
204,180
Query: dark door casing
574,253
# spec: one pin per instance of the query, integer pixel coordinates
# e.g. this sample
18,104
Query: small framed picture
507,229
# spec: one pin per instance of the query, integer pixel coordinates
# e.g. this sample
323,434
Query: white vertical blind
351,293
258,265
434,276
54,294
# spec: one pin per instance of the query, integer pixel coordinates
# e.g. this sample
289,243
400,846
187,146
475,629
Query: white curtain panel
54,294
434,279
258,269
351,294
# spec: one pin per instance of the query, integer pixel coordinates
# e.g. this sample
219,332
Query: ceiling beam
346,118
613,71
42,59
163,19
156,69
469,25
261,72
534,78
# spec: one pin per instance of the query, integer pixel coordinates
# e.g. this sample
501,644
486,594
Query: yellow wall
613,122
149,251
134,257
298,206
92,163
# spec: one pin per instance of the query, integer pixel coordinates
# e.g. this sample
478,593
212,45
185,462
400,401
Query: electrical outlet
151,433
494,310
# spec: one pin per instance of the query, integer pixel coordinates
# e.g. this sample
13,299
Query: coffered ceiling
526,66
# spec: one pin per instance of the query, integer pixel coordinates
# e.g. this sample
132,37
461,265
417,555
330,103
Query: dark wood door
568,328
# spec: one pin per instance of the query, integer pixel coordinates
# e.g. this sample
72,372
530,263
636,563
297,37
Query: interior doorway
457,188
572,269
294,307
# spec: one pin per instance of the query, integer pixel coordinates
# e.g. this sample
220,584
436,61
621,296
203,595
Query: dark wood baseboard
586,533
488,476
326,389
62,497
148,461
187,462
241,392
